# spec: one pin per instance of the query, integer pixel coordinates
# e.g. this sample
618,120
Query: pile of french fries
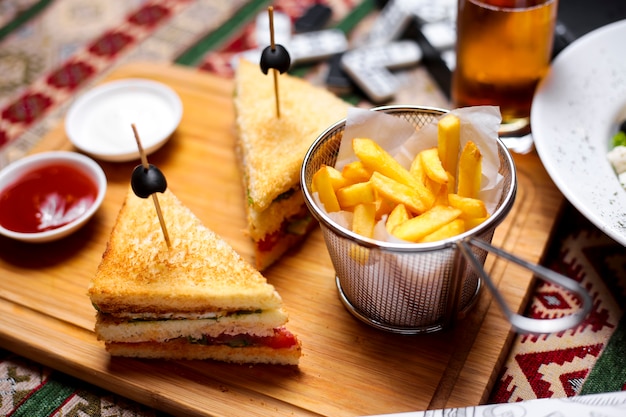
436,198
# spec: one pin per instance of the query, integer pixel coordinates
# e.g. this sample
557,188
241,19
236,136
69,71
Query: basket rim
491,223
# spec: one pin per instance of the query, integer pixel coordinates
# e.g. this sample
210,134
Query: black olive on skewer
146,182
276,58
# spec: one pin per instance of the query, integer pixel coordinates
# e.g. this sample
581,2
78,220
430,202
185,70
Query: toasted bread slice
199,273
271,150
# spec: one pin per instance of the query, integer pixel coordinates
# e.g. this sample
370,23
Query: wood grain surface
347,368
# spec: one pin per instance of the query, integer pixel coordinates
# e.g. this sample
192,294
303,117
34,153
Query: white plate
576,111
99,122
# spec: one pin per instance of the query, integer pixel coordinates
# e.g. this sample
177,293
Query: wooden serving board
347,367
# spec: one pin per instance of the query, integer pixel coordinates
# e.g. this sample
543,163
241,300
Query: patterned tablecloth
51,50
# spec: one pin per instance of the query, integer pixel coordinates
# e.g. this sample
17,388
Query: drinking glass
503,50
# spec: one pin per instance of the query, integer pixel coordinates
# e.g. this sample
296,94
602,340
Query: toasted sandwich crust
180,349
199,272
272,148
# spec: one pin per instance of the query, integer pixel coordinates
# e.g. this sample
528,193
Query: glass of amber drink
503,50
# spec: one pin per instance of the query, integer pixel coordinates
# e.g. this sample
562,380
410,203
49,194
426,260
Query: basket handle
519,322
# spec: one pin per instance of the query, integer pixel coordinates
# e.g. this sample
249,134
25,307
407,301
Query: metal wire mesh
402,288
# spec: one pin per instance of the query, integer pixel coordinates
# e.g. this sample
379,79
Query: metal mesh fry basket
402,287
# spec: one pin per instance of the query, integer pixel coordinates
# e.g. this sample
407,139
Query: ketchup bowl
49,195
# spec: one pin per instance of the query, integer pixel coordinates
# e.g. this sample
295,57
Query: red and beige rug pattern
558,365
85,39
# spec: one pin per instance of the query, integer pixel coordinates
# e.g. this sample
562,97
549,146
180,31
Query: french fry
336,177
398,215
451,184
441,195
448,142
376,159
323,184
472,208
470,171
472,223
432,166
356,172
359,193
383,206
364,220
418,171
455,227
418,199
359,254
426,223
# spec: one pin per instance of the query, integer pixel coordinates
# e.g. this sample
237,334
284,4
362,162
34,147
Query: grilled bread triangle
271,150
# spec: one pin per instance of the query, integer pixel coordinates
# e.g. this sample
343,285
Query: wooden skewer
157,206
275,72
155,199
142,153
270,12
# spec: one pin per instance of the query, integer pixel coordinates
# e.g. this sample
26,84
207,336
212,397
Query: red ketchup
46,198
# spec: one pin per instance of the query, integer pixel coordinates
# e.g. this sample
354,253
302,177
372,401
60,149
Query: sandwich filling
132,328
281,339
130,316
297,225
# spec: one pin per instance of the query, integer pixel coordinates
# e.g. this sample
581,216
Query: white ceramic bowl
15,171
99,121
